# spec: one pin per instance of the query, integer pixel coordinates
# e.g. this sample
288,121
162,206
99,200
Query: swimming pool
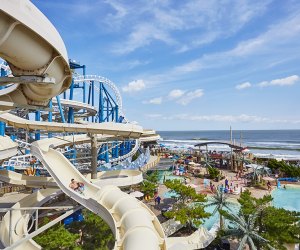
170,194
209,222
213,219
287,198
168,175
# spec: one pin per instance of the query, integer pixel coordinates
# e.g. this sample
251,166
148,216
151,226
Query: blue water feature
214,218
209,222
170,194
287,198
168,175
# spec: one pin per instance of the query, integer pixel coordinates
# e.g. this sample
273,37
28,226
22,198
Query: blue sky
190,65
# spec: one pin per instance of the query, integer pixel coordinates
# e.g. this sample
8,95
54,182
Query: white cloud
287,81
154,116
243,85
285,32
157,101
176,93
142,35
188,97
134,86
171,22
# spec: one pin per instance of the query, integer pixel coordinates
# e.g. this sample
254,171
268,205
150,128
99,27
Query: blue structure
2,124
77,216
96,91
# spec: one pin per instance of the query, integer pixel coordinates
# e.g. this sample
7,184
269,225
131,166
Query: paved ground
201,188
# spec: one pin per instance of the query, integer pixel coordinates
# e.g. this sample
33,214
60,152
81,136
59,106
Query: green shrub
213,172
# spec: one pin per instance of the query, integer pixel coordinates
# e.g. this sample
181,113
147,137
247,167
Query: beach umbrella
192,163
137,194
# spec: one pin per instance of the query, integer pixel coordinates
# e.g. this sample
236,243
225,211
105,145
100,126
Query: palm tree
245,230
207,162
220,200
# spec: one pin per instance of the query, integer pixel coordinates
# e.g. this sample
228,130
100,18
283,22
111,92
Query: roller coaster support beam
94,156
71,110
60,109
84,84
37,118
101,104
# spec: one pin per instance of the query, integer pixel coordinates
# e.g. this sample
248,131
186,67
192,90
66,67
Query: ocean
280,144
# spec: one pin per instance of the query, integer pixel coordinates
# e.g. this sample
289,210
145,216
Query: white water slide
35,53
38,60
32,46
133,224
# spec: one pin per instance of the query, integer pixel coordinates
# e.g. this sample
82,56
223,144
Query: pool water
170,194
215,218
168,175
287,198
209,222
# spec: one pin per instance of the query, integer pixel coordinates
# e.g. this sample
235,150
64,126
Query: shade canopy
137,194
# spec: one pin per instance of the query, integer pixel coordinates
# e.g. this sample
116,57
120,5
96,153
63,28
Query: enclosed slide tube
35,53
133,224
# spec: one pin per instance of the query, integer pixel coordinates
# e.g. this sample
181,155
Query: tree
250,204
244,230
189,208
96,235
220,200
213,172
153,177
286,169
148,188
280,226
150,183
277,225
56,237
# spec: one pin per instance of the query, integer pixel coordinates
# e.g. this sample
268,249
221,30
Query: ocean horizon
281,143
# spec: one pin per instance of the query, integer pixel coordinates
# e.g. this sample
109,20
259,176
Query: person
79,241
269,185
158,200
284,186
226,183
77,186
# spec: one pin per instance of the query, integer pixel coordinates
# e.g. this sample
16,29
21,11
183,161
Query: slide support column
94,156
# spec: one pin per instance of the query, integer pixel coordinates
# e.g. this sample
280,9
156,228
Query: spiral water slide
38,61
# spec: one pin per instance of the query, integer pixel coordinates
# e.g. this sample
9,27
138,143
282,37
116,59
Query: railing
150,164
9,189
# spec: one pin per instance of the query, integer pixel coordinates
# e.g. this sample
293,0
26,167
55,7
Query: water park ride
35,73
